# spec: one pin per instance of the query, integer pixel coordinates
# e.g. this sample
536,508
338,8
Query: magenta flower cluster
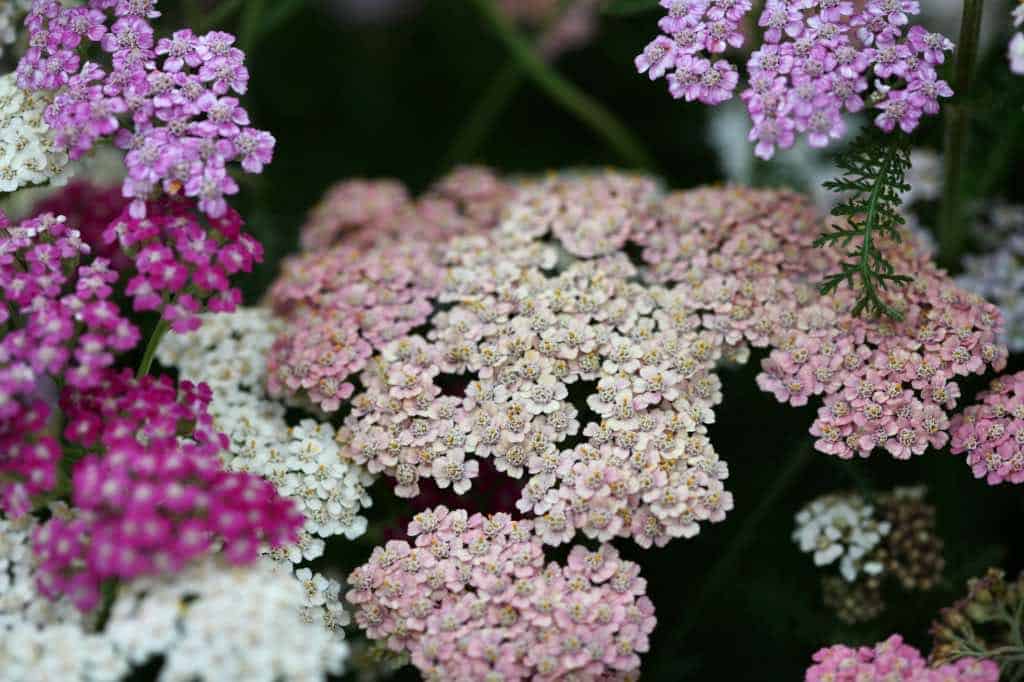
892,660
91,209
167,102
472,599
183,261
150,493
816,62
991,432
57,320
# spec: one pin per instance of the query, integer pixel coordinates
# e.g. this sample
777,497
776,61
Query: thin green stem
724,569
481,120
162,327
564,92
218,15
250,28
952,230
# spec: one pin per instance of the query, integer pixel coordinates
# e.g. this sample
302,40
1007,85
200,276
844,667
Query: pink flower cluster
165,101
90,209
748,259
56,320
892,660
991,432
363,213
183,261
375,282
816,62
472,599
150,492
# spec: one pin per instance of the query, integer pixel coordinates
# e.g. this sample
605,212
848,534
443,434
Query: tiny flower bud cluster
165,101
893,660
991,432
473,599
28,154
214,623
56,320
150,493
183,261
228,353
814,65
985,623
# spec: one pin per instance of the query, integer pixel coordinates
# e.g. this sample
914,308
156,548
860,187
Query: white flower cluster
11,14
216,623
998,274
27,153
229,354
843,527
40,639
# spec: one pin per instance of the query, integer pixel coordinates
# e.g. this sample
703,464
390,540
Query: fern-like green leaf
872,180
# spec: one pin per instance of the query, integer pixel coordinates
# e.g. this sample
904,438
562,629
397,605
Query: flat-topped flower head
168,102
472,598
893,659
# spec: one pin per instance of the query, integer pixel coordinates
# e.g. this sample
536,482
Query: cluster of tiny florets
472,598
893,536
183,261
1015,51
893,659
166,101
229,354
816,63
11,14
57,321
150,492
214,623
991,432
90,209
28,152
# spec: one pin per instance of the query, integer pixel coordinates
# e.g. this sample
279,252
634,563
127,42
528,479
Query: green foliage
620,7
872,180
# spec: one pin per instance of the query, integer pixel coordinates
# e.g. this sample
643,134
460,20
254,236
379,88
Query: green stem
162,327
249,30
952,232
218,15
564,92
494,101
723,569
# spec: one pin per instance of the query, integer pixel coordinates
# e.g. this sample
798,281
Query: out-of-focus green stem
952,230
567,94
250,28
217,15
162,327
724,569
481,120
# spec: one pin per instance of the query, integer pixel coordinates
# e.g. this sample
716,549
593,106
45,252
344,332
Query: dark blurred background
376,92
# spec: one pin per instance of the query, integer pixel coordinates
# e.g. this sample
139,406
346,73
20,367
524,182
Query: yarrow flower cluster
815,64
997,273
893,659
473,599
90,209
57,321
843,527
991,432
150,493
183,261
894,537
229,354
29,154
522,326
215,623
166,101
